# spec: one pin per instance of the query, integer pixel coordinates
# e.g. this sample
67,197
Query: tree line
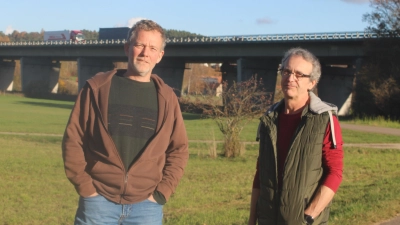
17,36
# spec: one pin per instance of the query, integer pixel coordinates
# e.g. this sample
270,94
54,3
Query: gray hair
146,25
309,57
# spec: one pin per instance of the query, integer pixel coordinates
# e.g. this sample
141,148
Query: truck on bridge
64,35
113,33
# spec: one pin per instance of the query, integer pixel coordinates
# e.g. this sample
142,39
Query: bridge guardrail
216,39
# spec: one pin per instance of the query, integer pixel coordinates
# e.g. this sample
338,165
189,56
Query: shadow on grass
205,155
346,118
47,104
191,116
32,138
351,118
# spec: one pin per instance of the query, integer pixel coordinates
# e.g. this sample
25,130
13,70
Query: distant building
213,85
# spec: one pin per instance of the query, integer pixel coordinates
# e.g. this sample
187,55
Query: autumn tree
238,104
90,35
379,78
25,36
3,37
384,20
172,33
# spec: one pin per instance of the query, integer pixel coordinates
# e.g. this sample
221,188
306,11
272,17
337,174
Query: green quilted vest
302,170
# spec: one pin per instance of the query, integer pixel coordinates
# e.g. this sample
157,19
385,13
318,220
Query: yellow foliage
4,39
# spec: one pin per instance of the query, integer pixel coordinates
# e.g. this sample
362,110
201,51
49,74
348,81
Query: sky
205,17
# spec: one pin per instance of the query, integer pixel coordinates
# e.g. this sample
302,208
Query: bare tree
379,78
385,17
237,105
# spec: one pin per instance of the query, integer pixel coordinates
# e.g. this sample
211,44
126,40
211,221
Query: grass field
34,190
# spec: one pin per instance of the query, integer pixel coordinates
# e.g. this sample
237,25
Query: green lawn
19,114
34,189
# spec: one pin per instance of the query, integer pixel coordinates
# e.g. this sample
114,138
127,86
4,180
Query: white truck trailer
64,35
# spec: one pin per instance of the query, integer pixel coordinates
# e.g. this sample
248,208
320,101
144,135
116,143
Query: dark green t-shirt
132,116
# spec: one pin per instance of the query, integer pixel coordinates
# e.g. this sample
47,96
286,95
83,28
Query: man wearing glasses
300,162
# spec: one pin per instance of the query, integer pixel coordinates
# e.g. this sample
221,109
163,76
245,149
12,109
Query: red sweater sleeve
332,159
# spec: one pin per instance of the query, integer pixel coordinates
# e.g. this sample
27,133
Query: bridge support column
39,75
336,86
229,72
88,67
7,69
171,71
266,70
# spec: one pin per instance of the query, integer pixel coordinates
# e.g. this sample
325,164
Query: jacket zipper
125,184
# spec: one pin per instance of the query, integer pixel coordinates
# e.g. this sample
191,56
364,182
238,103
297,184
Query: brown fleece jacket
92,162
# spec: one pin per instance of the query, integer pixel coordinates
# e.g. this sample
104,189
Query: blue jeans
98,210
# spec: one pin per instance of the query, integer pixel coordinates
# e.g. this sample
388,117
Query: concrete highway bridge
241,57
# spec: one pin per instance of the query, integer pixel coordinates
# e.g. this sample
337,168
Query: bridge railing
275,37
69,42
215,39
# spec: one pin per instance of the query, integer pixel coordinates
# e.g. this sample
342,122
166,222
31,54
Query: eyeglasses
286,73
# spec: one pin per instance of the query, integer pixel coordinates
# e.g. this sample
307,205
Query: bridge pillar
39,74
229,72
7,69
336,86
266,70
88,67
171,71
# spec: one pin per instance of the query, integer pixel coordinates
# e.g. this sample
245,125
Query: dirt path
364,128
371,129
374,145
393,221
